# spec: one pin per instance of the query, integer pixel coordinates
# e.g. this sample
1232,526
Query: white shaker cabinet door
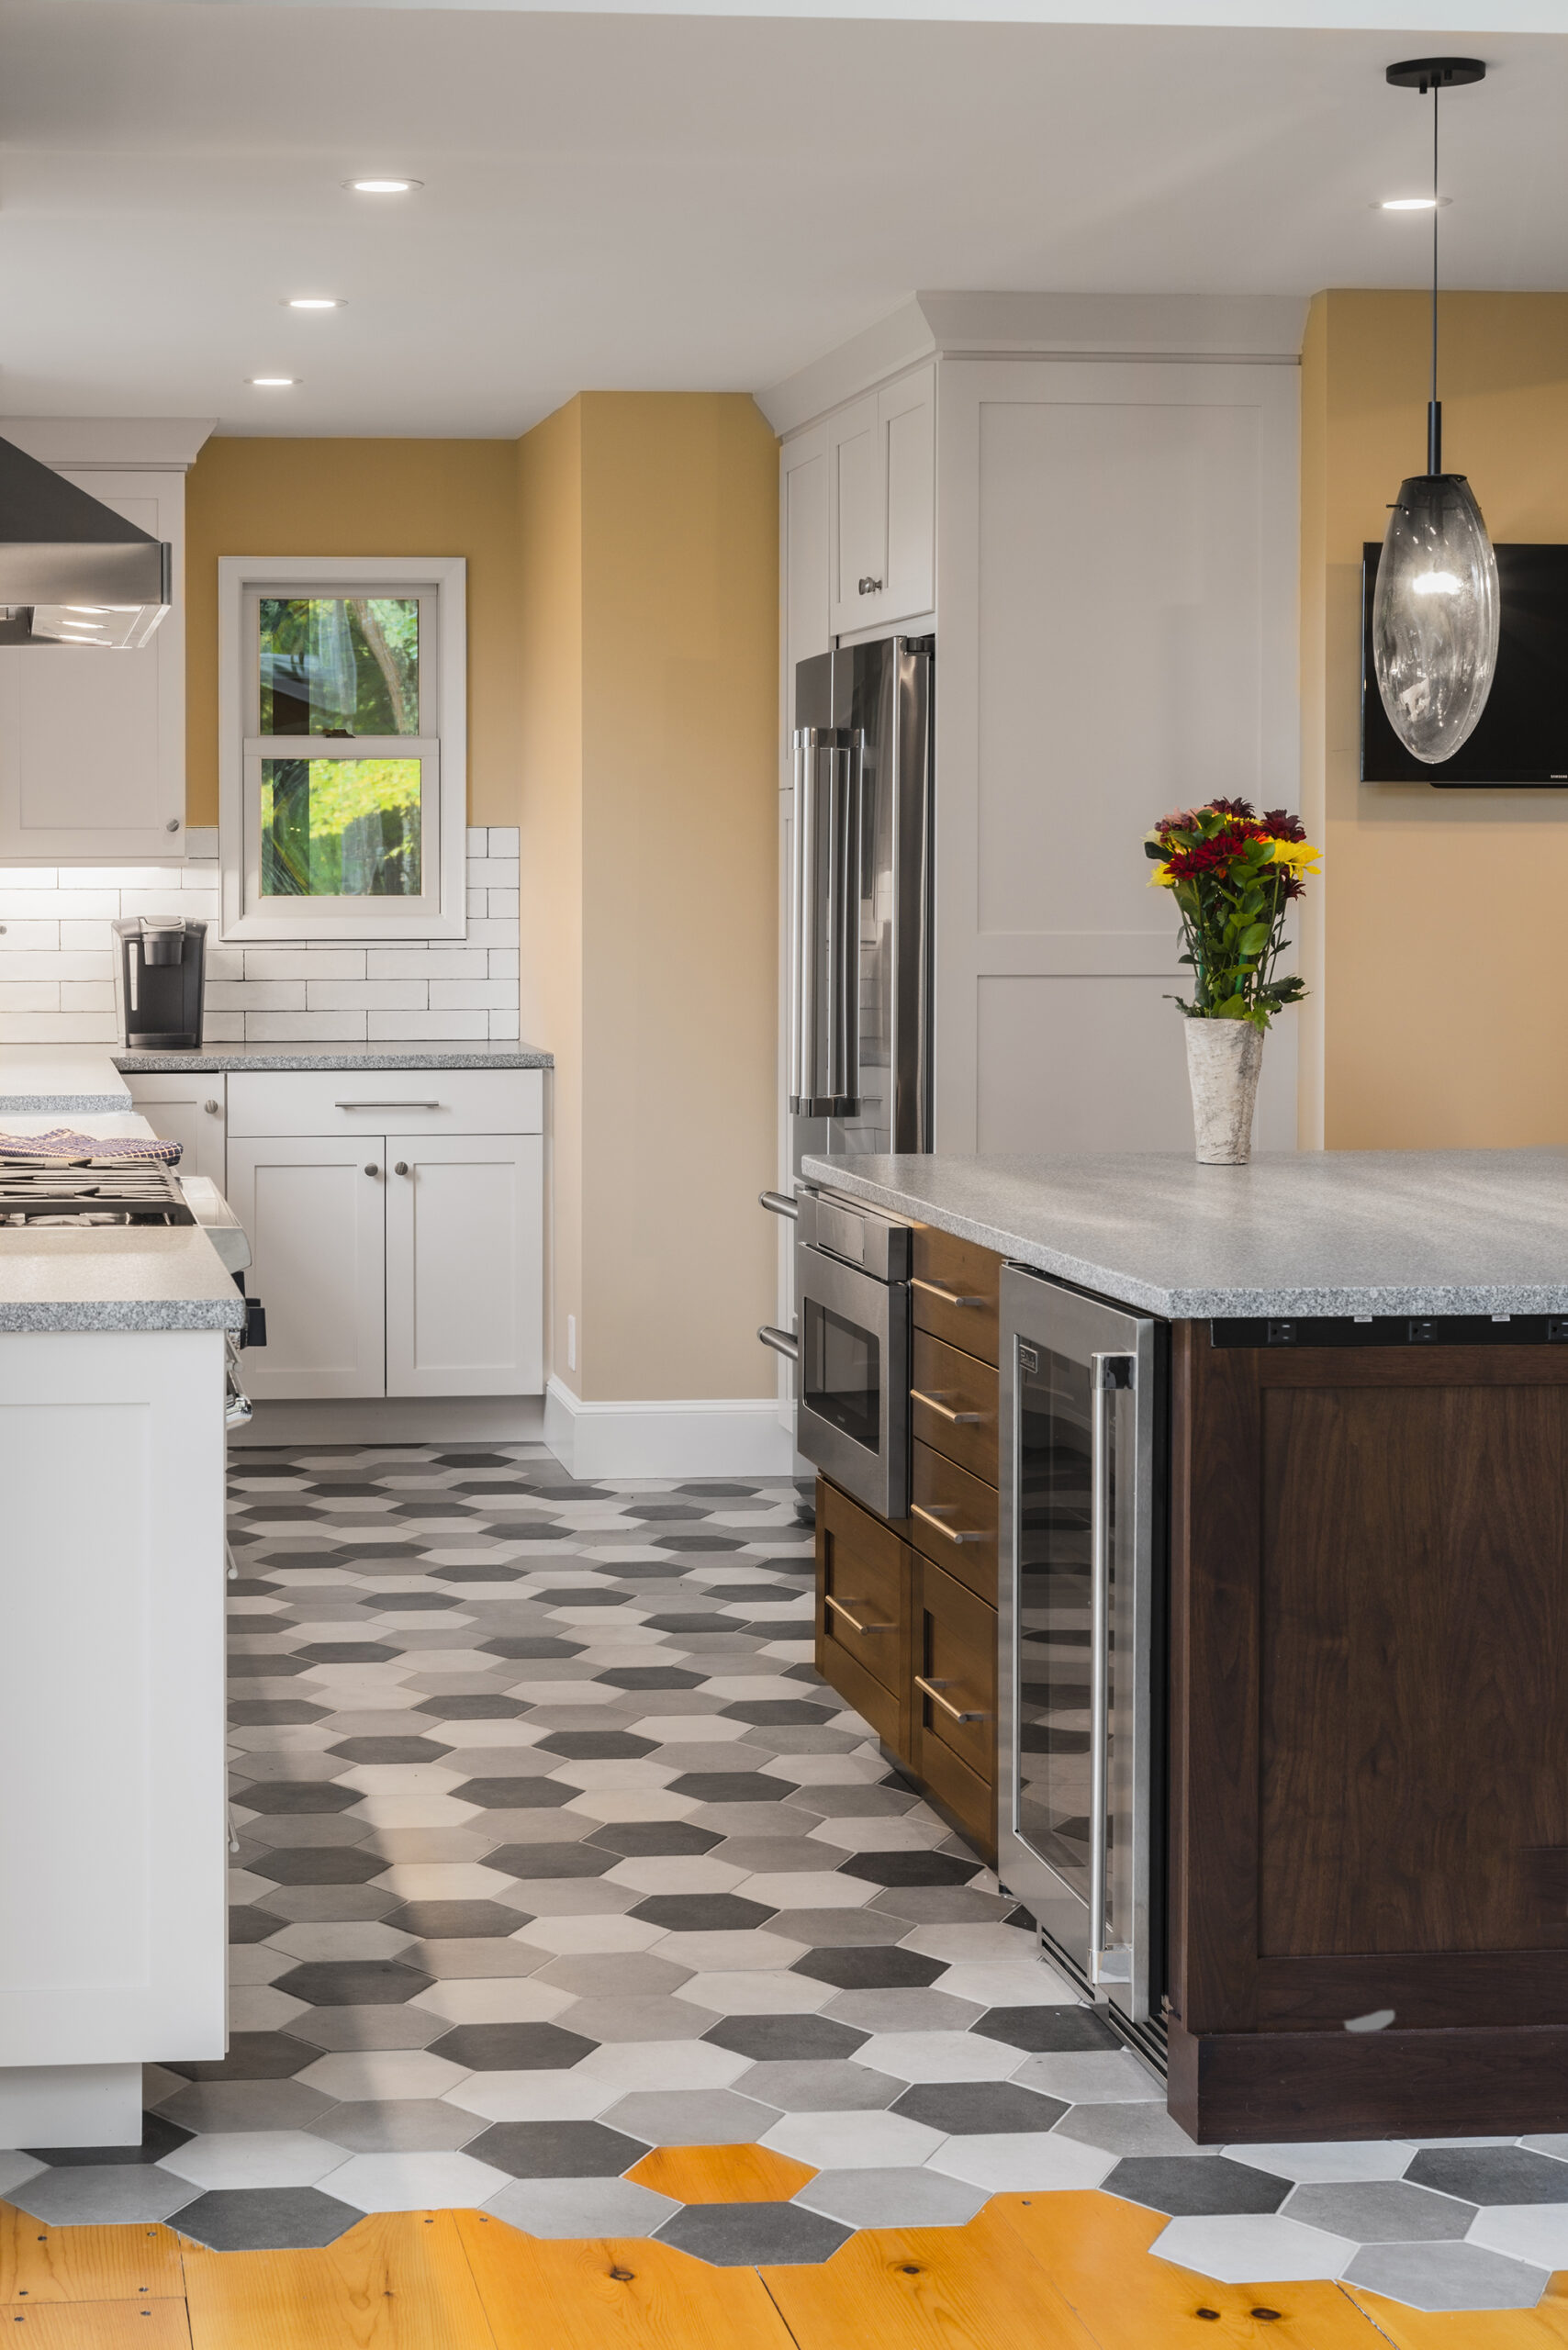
314,1207
189,1110
464,1265
857,518
906,425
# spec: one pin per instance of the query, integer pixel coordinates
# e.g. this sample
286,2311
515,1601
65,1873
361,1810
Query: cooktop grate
96,1191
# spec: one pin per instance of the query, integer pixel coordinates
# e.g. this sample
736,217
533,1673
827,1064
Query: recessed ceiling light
1413,203
273,382
314,302
383,187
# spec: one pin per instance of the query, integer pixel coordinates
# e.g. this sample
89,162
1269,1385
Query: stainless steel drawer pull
933,1689
777,1203
935,1404
386,1105
950,1531
948,1296
854,1622
783,1342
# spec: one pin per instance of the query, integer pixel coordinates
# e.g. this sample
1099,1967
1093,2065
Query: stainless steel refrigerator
861,901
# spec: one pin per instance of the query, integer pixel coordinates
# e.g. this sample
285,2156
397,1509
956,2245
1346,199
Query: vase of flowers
1232,874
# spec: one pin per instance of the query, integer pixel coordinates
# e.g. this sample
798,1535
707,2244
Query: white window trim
366,919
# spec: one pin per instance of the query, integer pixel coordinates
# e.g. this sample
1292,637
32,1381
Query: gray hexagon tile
553,1848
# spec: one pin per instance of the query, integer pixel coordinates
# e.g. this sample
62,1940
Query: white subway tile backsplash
505,840
479,841
57,962
492,873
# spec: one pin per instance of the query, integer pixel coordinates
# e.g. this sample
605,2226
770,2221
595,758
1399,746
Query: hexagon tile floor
566,1891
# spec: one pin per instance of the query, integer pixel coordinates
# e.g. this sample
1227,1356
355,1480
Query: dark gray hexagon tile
558,2149
266,2219
1491,2174
353,1983
631,1840
551,1860
702,1913
452,1920
978,2108
252,2056
1190,2190
785,2038
391,1749
909,1868
753,2236
299,1795
512,2047
1048,2031
336,1864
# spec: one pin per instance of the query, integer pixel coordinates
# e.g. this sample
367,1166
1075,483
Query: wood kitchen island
1363,1772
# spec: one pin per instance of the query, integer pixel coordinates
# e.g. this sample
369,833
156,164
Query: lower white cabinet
464,1265
186,1110
394,1264
314,1207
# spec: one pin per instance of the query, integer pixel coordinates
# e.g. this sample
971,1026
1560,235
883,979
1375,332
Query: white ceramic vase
1223,1057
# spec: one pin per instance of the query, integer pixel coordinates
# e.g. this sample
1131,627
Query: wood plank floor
1043,2272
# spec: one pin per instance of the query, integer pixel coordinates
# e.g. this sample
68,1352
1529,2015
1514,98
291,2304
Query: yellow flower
1163,878
1299,853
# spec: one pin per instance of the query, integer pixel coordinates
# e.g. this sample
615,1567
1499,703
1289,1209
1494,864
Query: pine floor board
580,2294
399,2280
722,2173
1095,2252
930,2289
41,2264
98,2325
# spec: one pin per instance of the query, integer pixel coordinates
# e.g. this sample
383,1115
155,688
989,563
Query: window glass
340,665
341,828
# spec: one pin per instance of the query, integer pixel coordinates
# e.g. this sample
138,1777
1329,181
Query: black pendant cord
1434,407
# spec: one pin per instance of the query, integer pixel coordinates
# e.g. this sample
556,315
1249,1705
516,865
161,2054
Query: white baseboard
396,1419
724,1437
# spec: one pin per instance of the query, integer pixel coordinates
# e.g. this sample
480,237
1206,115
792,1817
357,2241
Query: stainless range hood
72,570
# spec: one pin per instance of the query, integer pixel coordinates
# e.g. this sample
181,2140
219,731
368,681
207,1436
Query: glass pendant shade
1435,616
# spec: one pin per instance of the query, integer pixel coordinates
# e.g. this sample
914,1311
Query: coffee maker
159,974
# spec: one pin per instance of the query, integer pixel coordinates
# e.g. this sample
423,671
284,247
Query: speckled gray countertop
216,1058
76,1081
111,1277
1302,1233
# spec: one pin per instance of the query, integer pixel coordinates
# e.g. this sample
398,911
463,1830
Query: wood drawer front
954,1503
955,1654
373,1102
948,1381
862,1589
947,1270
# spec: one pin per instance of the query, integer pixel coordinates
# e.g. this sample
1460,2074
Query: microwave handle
1108,1962
783,1342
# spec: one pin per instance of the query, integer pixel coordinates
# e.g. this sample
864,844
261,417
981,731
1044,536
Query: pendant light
1435,609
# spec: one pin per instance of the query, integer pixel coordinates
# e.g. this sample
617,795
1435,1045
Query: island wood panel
954,1651
958,1289
959,1526
1369,1620
946,1381
862,1564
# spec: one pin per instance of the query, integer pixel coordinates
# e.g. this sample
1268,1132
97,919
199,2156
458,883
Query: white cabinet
805,588
93,745
314,1208
464,1265
396,1220
882,505
186,1110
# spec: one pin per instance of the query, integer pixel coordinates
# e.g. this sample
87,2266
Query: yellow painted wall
1443,962
393,497
649,815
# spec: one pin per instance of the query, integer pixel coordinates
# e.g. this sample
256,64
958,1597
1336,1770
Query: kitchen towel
63,1143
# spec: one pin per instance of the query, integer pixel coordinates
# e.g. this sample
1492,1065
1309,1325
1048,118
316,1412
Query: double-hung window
343,767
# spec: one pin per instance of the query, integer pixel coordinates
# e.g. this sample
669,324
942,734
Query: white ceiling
682,202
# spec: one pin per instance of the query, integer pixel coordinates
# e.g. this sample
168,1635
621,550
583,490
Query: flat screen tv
1522,735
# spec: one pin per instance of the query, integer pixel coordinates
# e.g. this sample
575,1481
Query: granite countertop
215,1058
112,1277
1350,1232
80,1080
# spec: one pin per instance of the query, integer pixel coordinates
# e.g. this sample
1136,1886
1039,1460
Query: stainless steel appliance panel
1079,1632
852,1349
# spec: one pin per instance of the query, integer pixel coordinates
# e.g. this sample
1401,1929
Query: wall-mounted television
1521,737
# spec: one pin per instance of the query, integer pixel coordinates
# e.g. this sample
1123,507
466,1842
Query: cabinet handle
948,1296
959,1419
373,1168
950,1531
869,587
854,1622
933,1689
401,1168
212,1108
777,1203
386,1105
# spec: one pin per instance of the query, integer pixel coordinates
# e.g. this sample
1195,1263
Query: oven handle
777,1203
783,1342
1108,1373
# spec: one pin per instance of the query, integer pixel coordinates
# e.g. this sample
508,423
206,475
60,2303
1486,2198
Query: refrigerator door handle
824,1054
1108,1960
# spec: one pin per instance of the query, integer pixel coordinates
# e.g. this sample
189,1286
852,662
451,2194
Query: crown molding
88,444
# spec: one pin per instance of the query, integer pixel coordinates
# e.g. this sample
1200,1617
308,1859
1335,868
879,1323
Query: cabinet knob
212,1108
869,587
373,1168
401,1168
172,825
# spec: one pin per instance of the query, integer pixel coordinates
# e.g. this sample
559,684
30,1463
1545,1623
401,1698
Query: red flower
1242,808
1279,826
1204,856
1182,819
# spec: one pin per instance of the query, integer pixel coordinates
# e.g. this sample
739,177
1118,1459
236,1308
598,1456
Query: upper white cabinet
882,505
805,580
92,744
